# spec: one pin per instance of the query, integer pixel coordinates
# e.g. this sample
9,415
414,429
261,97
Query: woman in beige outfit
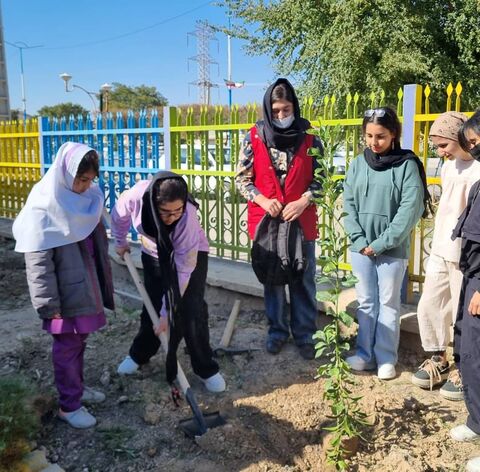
443,279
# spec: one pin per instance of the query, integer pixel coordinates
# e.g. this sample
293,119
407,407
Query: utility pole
4,97
20,45
229,61
204,34
228,81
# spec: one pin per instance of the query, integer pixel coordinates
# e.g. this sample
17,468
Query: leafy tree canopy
340,46
16,114
124,97
62,109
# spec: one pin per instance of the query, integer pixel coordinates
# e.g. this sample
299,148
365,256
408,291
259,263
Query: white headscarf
54,215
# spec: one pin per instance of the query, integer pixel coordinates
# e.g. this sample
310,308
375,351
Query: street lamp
67,77
104,91
22,79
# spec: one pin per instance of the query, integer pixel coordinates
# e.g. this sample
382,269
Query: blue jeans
378,315
303,305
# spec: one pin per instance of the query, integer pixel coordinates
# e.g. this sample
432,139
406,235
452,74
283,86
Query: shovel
200,422
223,348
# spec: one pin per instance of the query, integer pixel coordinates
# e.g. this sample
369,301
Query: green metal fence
204,147
203,144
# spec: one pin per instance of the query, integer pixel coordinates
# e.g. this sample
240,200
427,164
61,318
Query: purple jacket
188,236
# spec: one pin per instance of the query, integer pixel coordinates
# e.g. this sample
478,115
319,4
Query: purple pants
67,357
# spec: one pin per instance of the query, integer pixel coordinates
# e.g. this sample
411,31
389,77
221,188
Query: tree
62,109
347,418
123,97
16,114
340,46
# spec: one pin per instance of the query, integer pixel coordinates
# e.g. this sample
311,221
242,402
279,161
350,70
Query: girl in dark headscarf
385,194
175,262
276,176
467,324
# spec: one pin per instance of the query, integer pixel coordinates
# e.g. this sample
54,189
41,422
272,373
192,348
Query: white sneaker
357,363
127,367
215,383
463,433
79,419
92,396
386,372
473,465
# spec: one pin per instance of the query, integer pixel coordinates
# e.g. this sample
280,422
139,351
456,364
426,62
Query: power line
130,33
204,34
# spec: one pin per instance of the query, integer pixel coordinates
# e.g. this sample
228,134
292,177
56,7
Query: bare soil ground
273,404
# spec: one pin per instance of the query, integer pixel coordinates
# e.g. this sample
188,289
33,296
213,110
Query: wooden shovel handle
182,380
227,333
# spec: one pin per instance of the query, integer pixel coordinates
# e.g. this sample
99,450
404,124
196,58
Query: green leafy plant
318,41
117,440
18,421
62,109
348,419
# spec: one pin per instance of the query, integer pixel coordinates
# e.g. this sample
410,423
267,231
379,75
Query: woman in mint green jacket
385,195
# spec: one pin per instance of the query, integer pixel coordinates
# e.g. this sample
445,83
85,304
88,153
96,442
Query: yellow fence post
19,164
412,105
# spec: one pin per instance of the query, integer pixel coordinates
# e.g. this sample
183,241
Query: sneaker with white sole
80,419
357,363
432,372
215,383
473,465
386,372
452,389
127,367
463,433
92,396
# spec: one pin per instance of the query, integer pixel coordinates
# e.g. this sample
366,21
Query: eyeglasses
375,111
167,213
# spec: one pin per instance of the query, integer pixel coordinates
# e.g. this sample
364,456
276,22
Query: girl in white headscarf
68,271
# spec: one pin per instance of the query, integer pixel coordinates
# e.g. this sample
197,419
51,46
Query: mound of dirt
273,404
13,284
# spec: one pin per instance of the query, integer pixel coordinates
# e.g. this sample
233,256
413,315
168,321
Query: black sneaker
452,389
307,351
274,346
432,372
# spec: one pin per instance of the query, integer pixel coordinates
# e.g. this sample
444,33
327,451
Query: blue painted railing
129,149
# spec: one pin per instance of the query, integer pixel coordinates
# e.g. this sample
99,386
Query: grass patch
116,441
19,422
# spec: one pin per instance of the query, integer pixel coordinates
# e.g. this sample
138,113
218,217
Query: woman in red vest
276,176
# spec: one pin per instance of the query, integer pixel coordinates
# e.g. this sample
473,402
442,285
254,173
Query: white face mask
284,122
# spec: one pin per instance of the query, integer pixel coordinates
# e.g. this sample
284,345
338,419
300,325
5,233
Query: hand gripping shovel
200,422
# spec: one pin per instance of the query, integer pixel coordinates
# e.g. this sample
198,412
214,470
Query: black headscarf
395,158
154,227
468,225
279,138
468,228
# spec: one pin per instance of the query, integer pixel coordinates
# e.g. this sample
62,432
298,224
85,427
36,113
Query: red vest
299,177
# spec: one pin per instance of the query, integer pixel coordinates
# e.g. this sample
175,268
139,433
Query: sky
134,43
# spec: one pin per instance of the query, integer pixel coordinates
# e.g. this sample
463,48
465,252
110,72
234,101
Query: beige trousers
437,308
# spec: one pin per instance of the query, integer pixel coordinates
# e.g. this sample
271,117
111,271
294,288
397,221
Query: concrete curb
237,276
36,461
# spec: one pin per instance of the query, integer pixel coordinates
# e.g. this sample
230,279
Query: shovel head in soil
221,351
201,422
